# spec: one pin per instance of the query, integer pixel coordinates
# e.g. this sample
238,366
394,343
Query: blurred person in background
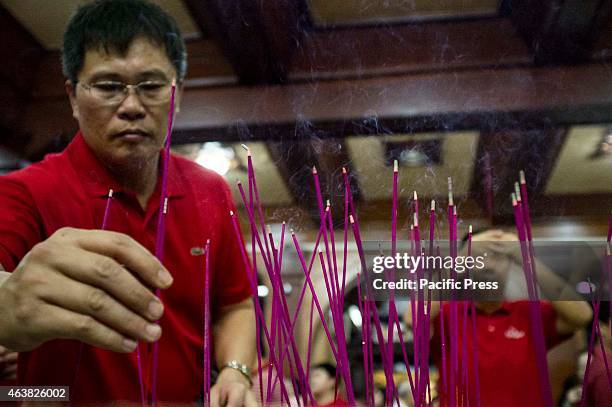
324,387
507,368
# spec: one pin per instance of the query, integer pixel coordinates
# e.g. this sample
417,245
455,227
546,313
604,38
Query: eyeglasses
111,93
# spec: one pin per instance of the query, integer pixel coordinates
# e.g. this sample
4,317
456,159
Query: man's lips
132,134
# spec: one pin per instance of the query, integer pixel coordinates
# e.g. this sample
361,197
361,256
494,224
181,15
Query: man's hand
8,364
88,285
232,389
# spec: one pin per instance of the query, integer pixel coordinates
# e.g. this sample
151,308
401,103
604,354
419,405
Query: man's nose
132,107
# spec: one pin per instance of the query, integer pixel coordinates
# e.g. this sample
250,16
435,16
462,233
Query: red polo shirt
70,189
507,367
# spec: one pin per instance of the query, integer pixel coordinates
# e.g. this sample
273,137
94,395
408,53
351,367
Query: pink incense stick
207,324
104,225
453,327
254,191
390,388
534,305
161,224
474,342
590,352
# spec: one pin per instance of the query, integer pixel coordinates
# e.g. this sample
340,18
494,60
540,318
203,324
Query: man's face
131,131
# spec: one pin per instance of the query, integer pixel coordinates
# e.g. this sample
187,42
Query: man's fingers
214,397
236,396
9,358
104,272
124,250
250,400
58,322
96,303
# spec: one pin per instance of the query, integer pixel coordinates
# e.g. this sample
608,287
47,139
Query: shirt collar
97,179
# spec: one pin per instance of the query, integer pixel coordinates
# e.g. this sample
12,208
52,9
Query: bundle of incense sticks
279,336
283,355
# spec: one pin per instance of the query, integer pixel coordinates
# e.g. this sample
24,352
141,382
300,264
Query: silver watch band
240,367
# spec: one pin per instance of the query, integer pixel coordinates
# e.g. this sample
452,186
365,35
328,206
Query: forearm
234,335
573,312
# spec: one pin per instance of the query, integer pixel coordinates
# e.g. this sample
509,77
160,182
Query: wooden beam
20,54
560,31
485,99
258,38
399,49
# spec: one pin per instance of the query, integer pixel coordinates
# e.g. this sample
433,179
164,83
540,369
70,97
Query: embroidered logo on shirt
513,333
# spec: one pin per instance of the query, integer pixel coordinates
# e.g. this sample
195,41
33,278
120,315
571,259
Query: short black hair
328,367
112,25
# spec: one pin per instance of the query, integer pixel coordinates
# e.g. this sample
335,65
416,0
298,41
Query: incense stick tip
165,205
110,193
314,169
433,205
522,176
416,220
470,229
351,219
395,166
416,197
513,198
231,213
343,170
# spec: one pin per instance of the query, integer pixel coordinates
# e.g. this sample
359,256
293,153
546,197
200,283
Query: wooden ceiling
306,82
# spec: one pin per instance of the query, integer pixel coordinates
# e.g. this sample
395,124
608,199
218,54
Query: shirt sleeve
231,284
19,222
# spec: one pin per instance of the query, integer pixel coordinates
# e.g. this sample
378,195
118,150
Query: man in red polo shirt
71,283
507,367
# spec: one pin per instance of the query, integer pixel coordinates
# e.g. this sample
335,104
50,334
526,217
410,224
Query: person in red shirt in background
68,283
324,387
507,368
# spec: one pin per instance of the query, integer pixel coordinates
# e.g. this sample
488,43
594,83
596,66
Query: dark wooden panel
500,157
384,50
295,160
560,31
258,38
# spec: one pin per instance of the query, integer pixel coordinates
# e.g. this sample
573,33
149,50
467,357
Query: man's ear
71,91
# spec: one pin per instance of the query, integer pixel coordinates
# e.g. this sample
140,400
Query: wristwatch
240,367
